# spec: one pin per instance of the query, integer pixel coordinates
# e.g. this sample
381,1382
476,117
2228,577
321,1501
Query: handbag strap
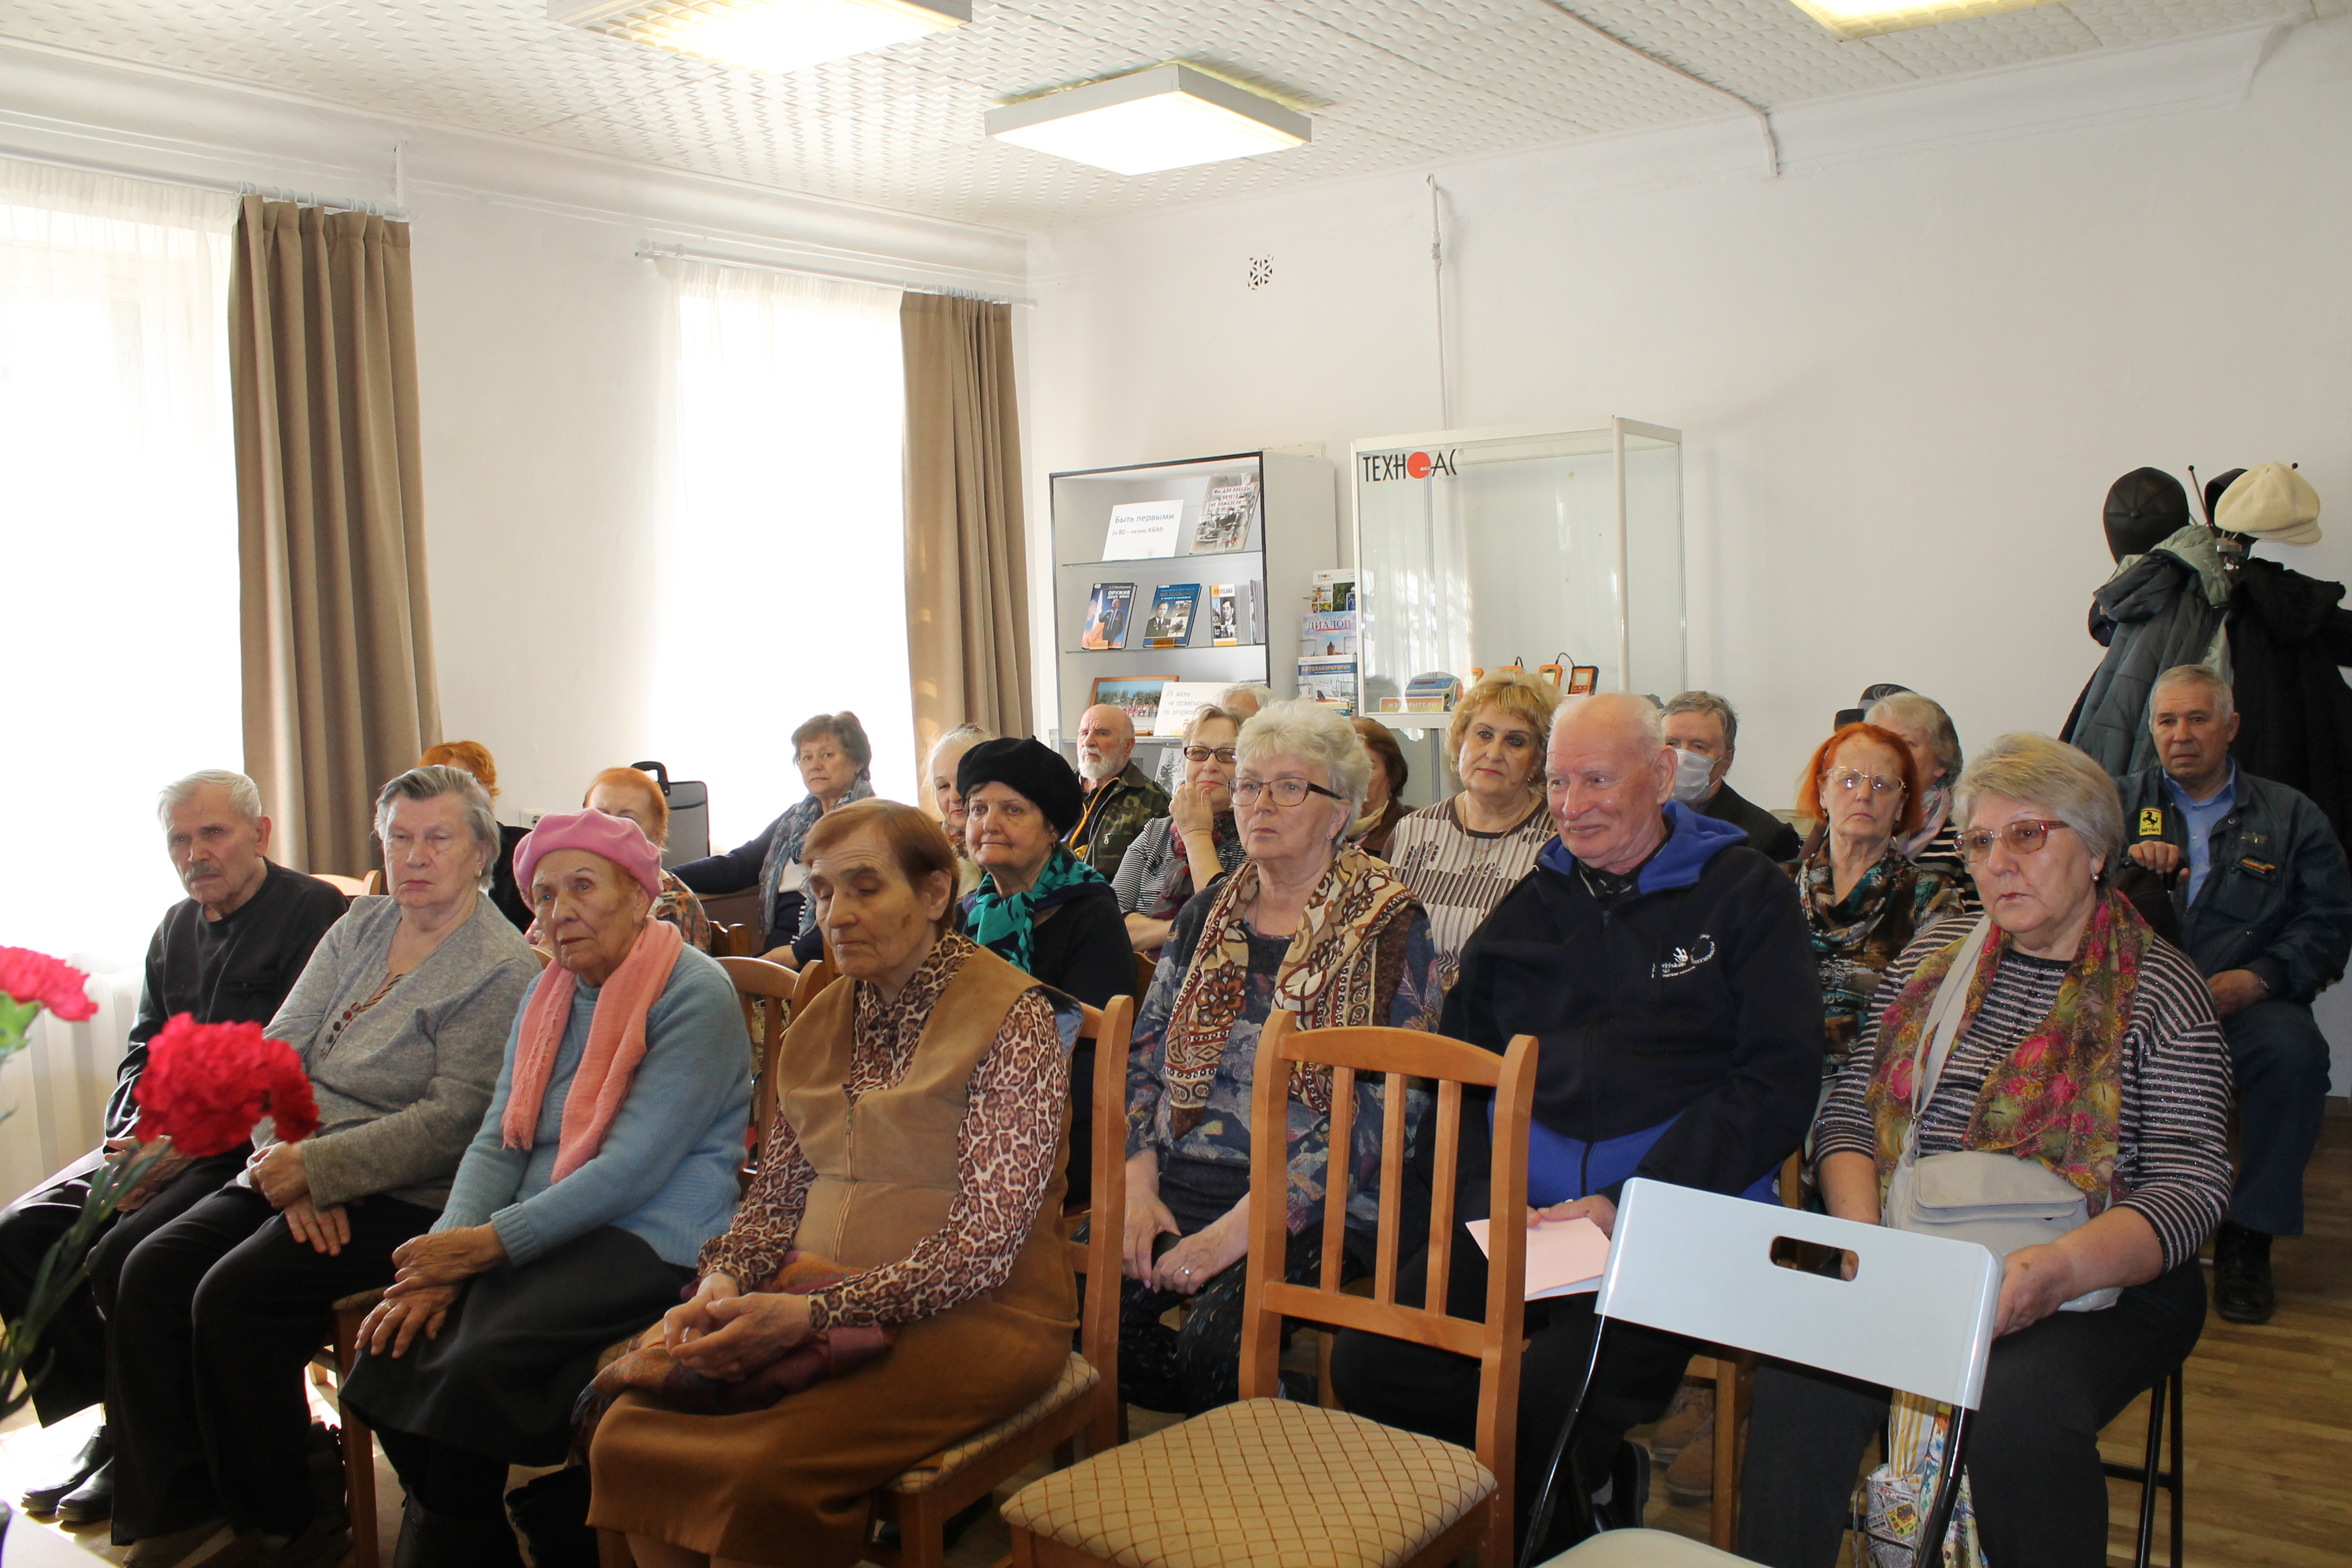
1943,1028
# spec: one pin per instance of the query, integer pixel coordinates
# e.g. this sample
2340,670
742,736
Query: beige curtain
338,642
967,564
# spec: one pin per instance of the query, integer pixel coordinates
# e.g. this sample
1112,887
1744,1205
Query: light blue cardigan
665,1170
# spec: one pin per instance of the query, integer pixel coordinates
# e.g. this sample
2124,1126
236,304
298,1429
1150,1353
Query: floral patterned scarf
784,847
1330,976
2058,1097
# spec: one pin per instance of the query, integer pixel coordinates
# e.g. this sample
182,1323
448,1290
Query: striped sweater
1460,875
2174,1166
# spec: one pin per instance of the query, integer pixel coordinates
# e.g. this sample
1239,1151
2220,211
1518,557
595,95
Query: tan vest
887,1169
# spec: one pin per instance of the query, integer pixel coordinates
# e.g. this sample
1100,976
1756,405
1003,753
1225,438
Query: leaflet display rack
1264,563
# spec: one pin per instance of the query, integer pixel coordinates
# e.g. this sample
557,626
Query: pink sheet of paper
1565,1257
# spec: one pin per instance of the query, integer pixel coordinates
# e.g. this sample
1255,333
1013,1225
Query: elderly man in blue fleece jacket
1662,966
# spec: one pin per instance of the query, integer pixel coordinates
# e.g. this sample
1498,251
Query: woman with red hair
1862,792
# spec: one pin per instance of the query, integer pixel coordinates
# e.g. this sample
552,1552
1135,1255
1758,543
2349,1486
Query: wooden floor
2269,1423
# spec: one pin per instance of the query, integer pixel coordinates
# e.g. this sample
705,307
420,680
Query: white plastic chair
1699,1264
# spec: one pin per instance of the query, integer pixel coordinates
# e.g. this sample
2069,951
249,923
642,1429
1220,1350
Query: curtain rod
230,187
652,252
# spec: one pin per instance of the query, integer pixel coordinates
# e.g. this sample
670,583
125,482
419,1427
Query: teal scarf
1005,926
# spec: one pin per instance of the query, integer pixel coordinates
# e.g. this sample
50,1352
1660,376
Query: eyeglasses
2024,837
1202,753
1282,792
1854,781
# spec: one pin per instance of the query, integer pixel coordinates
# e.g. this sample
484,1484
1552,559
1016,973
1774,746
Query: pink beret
616,838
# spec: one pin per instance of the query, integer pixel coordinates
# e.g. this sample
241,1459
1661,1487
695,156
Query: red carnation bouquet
206,1084
31,981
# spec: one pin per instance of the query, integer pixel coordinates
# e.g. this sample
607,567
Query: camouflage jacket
1114,814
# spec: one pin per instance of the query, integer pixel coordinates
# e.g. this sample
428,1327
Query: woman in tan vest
920,1116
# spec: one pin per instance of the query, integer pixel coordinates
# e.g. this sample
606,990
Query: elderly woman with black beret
1041,909
606,1159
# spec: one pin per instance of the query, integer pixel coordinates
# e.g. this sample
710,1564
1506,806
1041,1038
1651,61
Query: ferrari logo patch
2151,822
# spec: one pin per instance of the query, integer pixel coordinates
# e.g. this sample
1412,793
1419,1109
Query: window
783,589
119,543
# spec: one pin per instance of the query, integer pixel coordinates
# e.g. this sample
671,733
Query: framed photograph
1137,696
1582,679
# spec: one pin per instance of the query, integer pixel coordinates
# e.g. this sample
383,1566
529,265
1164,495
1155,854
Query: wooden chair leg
921,1528
1723,1531
359,1451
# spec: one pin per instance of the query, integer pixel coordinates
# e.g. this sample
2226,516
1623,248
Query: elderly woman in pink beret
607,1159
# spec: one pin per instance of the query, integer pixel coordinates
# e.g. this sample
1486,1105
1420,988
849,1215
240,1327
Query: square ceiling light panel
1852,19
1169,117
777,36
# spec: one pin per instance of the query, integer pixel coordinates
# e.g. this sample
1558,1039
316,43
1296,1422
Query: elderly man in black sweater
229,953
1662,966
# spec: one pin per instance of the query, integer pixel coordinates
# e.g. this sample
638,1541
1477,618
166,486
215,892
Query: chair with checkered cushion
1270,1483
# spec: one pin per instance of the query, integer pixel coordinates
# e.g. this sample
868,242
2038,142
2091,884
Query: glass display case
1477,548
1171,549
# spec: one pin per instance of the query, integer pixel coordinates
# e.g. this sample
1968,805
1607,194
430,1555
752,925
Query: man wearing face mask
1705,734
226,953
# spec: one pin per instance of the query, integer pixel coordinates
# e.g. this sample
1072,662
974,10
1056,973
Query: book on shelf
1225,514
1329,635
1178,701
1334,590
1170,624
1224,615
1330,681
1106,612
1140,530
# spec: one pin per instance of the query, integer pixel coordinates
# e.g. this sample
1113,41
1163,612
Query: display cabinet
1519,545
1268,560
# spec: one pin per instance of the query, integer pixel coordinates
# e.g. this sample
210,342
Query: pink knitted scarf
616,1044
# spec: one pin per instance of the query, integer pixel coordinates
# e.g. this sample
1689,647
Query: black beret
1027,768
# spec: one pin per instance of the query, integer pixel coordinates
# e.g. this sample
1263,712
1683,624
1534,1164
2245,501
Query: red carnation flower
43,981
206,1086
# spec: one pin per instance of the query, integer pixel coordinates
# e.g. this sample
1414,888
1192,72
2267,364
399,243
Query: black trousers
34,1223
1435,1391
212,1320
2278,1058
2033,1457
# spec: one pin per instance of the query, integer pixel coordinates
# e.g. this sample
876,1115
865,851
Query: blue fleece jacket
666,1170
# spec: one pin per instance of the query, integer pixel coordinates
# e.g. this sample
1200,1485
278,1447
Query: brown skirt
792,1484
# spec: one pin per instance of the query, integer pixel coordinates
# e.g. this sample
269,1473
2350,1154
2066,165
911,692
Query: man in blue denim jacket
2266,912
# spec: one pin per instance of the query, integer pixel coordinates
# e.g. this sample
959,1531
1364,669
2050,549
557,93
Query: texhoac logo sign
1380,466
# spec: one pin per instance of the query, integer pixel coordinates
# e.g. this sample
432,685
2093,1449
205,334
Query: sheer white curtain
782,590
118,550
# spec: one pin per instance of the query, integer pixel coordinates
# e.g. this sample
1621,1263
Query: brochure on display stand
1141,530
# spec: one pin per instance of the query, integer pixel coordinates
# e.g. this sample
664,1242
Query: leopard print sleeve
753,1248
1011,1133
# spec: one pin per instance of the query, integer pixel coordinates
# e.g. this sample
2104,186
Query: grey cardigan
403,1089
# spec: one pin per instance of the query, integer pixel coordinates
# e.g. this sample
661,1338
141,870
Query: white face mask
1693,774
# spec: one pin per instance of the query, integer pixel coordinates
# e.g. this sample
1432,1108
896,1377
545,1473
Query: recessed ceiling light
764,34
1868,18
1169,117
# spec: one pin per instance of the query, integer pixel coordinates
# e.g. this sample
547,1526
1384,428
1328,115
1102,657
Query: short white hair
432,783
1312,733
2204,675
1927,714
244,794
2048,775
966,735
1257,690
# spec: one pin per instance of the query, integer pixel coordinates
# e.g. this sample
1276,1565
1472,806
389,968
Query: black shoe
436,1539
553,1514
45,1497
90,1501
2243,1290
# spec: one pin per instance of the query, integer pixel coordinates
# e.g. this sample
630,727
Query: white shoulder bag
2000,1202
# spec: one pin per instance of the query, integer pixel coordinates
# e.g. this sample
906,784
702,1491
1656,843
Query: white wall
1907,369
541,346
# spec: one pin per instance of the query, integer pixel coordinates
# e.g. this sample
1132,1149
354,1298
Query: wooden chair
765,992
1270,1481
1146,966
372,882
1084,1403
350,886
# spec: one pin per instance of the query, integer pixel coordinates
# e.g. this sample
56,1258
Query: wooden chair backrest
1397,1056
372,882
1146,966
756,978
350,886
1098,1257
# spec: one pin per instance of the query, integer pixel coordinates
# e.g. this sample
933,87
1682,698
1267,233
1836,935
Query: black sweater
1697,1004
234,969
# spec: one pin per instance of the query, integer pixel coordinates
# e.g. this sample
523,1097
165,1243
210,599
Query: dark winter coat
2167,607
2287,635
